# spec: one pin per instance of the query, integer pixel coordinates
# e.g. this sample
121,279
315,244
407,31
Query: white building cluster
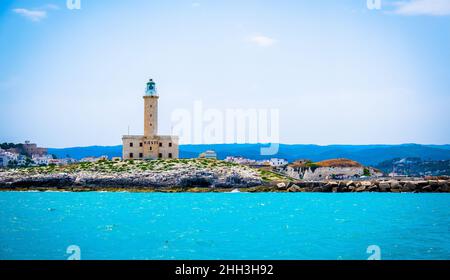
9,158
95,159
274,162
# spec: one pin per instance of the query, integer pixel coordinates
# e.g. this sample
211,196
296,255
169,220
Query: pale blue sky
338,72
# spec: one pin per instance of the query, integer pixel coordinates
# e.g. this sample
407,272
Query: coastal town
30,155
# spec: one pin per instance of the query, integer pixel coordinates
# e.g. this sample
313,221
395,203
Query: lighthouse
150,109
150,145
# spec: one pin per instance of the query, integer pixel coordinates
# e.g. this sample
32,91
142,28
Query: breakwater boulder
378,185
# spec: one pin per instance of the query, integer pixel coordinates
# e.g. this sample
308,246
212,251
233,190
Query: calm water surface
37,225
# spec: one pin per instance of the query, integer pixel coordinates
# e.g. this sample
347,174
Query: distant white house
278,162
12,156
41,160
88,159
8,157
66,161
240,160
263,162
208,154
3,160
93,159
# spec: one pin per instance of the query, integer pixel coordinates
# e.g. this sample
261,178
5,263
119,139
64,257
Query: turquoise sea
42,225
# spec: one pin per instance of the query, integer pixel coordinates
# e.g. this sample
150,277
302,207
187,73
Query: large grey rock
394,184
294,188
384,186
409,187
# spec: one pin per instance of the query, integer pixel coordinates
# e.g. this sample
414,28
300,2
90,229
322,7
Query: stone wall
325,173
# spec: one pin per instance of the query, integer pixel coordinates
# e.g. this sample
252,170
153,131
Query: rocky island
194,175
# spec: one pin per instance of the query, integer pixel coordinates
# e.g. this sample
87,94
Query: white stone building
41,160
208,154
275,162
329,169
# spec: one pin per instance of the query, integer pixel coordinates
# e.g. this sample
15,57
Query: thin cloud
262,41
51,7
423,7
33,15
37,14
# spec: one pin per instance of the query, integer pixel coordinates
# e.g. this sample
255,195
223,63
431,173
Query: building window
131,155
140,144
151,115
151,148
151,124
170,155
160,144
170,144
131,144
160,155
141,155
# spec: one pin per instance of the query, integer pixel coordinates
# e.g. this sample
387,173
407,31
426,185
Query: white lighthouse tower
150,145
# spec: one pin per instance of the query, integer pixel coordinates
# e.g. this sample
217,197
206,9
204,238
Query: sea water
259,226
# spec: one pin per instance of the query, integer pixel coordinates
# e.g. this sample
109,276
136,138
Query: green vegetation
6,146
129,166
305,164
270,176
19,147
311,165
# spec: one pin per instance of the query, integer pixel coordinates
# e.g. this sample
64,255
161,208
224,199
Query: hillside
416,167
365,154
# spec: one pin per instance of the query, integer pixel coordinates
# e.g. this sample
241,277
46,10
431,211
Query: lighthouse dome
150,89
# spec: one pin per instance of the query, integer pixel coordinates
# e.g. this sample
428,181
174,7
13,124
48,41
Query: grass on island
271,176
127,166
266,174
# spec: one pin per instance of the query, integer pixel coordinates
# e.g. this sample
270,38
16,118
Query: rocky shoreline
201,179
194,176
205,182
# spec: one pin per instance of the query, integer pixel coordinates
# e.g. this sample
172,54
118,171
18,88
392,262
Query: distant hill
365,154
416,167
91,151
